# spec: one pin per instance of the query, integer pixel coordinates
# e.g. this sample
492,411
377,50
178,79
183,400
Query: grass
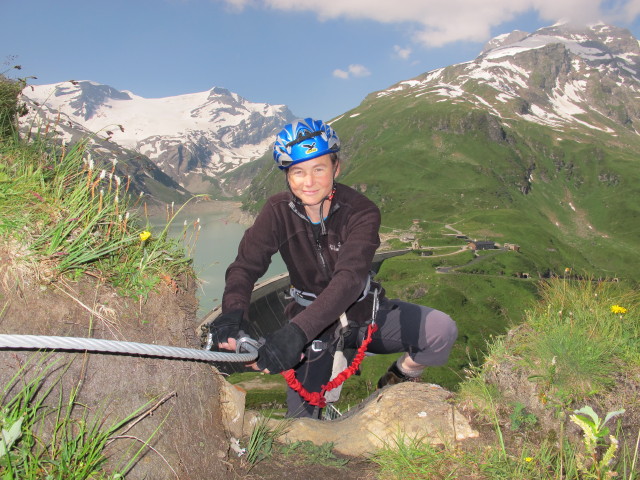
45,441
262,439
584,342
564,356
75,216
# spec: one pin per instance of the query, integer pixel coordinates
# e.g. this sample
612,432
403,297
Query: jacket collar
298,208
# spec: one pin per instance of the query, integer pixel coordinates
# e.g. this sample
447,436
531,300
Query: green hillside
567,203
566,198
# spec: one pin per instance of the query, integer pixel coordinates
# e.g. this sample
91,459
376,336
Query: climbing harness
43,342
306,298
319,399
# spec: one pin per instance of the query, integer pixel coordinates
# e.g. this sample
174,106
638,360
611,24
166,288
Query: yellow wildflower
617,309
145,236
528,459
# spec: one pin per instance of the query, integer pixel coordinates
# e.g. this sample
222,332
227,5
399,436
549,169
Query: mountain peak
192,138
87,96
565,76
595,43
504,40
219,91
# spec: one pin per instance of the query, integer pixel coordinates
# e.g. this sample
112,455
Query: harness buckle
318,346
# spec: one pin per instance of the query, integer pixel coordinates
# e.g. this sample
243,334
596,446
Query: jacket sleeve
259,243
349,274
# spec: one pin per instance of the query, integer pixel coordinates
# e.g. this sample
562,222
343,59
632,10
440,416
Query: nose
309,179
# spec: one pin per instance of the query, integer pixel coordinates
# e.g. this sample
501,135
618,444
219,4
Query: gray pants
426,334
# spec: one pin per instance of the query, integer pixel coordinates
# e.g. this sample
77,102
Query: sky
321,58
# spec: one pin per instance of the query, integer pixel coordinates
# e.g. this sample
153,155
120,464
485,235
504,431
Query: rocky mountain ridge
562,76
193,138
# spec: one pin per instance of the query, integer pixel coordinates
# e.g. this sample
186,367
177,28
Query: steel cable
44,342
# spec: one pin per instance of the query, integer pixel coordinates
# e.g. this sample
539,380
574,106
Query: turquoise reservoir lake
212,251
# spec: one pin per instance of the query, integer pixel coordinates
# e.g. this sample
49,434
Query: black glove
225,326
282,349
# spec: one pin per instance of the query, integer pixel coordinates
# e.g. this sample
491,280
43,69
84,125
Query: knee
441,331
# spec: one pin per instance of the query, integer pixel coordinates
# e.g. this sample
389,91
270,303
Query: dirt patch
179,415
296,466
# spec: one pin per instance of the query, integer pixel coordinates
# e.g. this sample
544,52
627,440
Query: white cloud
340,74
403,53
359,70
354,70
439,23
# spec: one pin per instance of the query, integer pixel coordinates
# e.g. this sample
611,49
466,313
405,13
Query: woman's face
312,181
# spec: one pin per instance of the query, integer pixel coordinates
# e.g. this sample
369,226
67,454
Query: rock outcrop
398,413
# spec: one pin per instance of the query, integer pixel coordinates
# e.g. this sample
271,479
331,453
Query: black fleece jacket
334,266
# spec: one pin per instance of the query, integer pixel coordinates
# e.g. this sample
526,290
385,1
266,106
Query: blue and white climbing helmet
303,140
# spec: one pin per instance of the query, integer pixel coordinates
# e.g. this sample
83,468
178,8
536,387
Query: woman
327,235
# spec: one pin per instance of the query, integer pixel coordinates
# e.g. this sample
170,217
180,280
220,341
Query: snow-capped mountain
193,138
561,76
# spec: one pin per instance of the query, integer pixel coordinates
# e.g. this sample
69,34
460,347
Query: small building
512,246
482,245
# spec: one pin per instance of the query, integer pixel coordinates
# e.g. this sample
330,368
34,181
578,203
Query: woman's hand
230,344
282,349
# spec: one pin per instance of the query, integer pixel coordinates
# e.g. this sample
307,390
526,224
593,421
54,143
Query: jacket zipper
323,262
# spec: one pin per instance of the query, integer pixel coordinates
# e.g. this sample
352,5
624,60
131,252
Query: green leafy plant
520,418
595,432
312,453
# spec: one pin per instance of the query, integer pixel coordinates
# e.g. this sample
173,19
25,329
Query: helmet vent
302,137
